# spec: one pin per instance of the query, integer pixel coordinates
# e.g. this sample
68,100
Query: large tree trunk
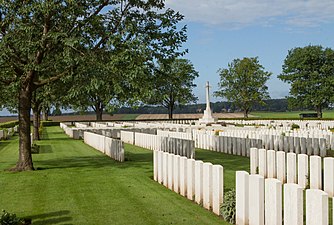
246,112
36,121
170,111
46,114
25,158
99,111
319,111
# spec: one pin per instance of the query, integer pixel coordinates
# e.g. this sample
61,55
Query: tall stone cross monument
207,117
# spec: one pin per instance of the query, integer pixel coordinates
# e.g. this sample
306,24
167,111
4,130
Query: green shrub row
16,122
268,118
49,123
9,124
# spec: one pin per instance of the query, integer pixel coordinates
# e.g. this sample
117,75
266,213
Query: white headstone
256,200
263,162
291,168
293,204
273,201
271,164
316,207
254,160
207,185
242,197
217,188
303,170
280,162
183,176
315,172
170,171
176,171
190,179
329,176
198,182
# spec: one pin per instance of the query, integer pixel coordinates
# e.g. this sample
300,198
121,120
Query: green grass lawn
75,184
231,163
329,114
129,116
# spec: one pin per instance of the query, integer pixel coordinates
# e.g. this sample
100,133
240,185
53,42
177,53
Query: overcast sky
222,30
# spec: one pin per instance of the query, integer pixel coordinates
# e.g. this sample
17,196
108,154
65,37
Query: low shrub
49,123
11,219
228,208
9,124
217,132
294,126
35,149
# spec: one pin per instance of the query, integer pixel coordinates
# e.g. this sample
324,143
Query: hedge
49,123
9,124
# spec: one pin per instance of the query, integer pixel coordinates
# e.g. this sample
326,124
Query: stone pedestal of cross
207,117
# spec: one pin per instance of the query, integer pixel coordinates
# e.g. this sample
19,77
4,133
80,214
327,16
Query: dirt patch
187,116
4,119
108,117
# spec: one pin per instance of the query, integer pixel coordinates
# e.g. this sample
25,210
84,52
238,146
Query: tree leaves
173,84
310,71
243,83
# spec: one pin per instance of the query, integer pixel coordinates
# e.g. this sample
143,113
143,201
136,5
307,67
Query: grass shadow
51,218
4,143
45,149
228,161
94,162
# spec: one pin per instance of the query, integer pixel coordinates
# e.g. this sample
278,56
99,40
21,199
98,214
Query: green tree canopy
173,84
310,72
244,83
43,41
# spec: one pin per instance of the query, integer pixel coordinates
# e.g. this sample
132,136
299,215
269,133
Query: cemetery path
75,184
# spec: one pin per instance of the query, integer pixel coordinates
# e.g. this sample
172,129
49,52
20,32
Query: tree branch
51,79
96,12
104,39
7,82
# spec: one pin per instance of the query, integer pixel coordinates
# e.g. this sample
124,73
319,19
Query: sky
222,30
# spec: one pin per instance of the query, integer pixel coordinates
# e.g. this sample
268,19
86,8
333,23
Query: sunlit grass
75,184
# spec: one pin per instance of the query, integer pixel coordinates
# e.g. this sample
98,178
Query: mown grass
329,114
230,163
129,116
75,184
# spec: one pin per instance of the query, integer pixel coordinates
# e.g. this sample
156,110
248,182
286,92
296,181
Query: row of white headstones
314,197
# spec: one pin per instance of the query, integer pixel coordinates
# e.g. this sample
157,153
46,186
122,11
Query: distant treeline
273,105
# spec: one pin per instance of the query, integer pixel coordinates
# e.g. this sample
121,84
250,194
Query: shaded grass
230,163
75,184
328,114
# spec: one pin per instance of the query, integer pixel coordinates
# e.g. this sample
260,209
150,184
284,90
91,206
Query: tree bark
246,111
99,111
170,111
319,111
46,114
25,159
36,121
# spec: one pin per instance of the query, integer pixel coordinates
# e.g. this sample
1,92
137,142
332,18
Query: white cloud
240,13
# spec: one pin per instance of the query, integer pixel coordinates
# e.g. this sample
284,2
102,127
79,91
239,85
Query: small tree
310,72
173,84
243,83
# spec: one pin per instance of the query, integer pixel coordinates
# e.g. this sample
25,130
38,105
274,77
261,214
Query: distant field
290,115
107,117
